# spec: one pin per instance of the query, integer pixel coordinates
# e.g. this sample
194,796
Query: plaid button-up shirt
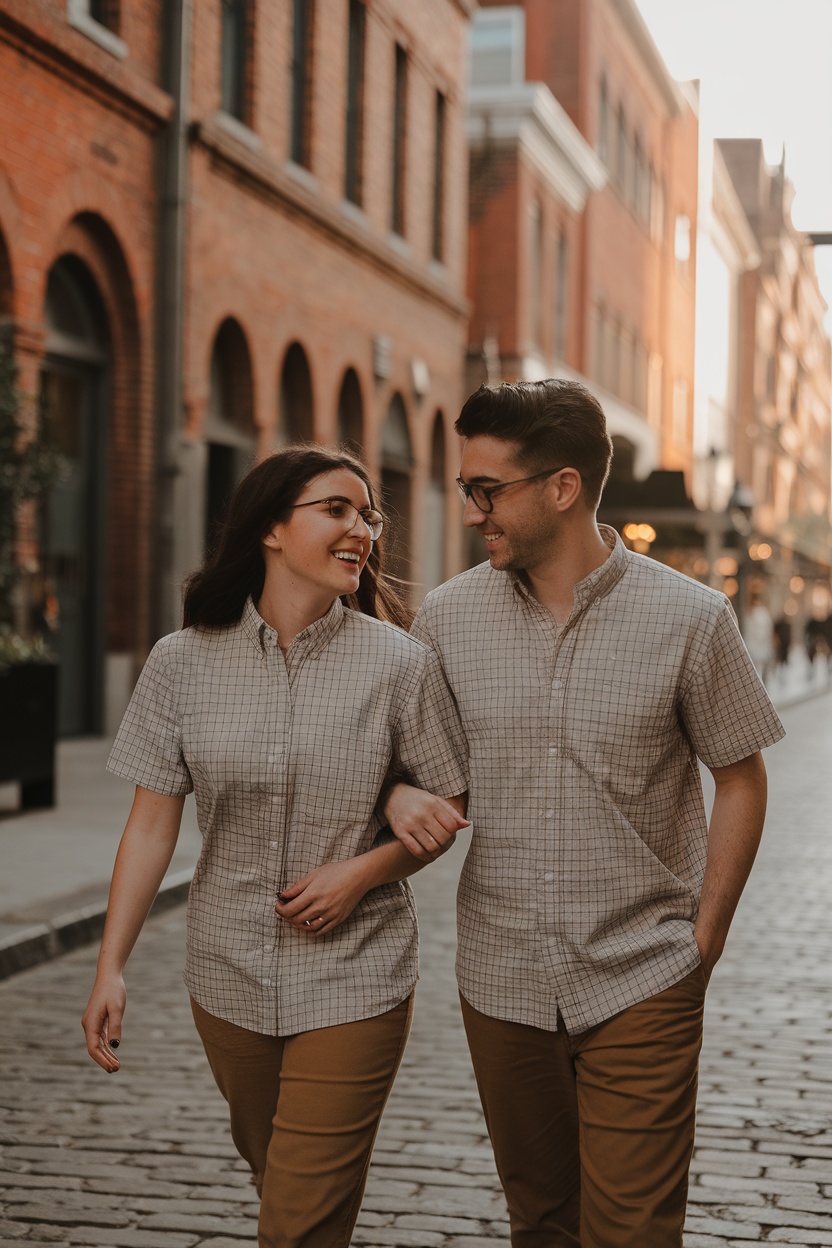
286,757
582,883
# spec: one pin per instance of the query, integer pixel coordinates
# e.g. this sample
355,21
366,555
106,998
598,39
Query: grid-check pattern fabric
286,758
582,883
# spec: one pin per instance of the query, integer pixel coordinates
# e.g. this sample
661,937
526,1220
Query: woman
283,709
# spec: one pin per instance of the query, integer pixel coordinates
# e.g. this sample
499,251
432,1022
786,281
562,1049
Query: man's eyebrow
483,480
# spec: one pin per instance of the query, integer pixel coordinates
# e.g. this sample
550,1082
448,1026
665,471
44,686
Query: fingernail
281,899
114,1044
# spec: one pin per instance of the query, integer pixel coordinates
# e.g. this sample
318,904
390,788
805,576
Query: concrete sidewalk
55,865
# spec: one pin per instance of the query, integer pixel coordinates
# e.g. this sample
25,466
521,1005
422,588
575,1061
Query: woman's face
324,544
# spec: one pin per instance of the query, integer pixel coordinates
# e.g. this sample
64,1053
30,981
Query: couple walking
560,694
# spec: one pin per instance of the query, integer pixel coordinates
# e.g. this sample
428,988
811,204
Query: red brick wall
77,176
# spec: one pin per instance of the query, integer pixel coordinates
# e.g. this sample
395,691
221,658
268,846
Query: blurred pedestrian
758,633
282,708
595,900
782,642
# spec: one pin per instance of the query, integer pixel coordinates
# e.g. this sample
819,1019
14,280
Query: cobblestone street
144,1160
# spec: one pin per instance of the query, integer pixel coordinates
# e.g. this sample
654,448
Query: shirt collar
599,582
310,641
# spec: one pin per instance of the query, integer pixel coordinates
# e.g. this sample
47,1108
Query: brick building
597,219
782,439
226,225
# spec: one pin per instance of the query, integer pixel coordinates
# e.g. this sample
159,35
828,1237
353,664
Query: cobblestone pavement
143,1159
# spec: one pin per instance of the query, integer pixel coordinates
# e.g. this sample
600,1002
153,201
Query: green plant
29,465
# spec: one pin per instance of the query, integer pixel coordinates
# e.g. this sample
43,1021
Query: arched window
435,502
350,428
396,472
296,412
74,392
229,428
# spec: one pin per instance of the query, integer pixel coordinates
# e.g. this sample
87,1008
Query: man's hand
324,897
425,824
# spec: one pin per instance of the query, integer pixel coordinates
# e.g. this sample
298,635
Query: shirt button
274,844
271,758
556,684
550,875
550,814
553,749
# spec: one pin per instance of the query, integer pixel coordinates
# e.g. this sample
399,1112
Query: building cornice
54,43
299,197
528,115
636,27
728,212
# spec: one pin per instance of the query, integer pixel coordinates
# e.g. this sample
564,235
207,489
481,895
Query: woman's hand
425,824
325,896
102,1020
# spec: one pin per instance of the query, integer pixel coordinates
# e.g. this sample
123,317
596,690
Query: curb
73,928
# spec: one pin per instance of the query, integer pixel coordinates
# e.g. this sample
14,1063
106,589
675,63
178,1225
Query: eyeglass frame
466,489
375,529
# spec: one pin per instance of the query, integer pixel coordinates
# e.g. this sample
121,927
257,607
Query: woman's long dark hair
216,595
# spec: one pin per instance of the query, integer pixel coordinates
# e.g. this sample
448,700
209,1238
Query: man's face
523,529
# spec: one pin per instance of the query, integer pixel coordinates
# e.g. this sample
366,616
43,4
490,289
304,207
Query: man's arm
733,838
425,824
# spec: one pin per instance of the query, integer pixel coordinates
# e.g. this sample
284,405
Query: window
438,176
636,175
355,101
234,58
105,12
621,150
498,46
99,20
603,122
301,32
399,142
535,271
681,242
559,332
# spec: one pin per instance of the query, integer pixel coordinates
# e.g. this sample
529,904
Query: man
594,900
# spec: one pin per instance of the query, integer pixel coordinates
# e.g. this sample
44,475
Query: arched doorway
396,470
296,411
435,499
229,428
74,385
350,426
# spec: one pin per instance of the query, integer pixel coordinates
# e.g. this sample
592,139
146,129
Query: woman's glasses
343,509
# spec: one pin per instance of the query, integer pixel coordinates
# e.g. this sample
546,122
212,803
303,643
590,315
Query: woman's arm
327,895
143,857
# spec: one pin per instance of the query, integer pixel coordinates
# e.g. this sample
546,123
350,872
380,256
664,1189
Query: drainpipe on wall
170,295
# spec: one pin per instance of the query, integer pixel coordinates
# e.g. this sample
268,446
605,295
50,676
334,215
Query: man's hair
554,423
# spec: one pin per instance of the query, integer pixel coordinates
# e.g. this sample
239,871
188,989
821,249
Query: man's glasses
482,496
343,509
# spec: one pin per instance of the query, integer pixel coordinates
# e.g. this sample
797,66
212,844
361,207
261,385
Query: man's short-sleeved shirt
286,758
582,883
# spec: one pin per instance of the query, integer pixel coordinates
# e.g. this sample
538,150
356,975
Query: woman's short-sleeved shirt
286,757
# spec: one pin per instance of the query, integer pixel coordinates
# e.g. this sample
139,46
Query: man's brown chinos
593,1133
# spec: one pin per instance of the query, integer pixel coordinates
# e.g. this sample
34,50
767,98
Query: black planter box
28,722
